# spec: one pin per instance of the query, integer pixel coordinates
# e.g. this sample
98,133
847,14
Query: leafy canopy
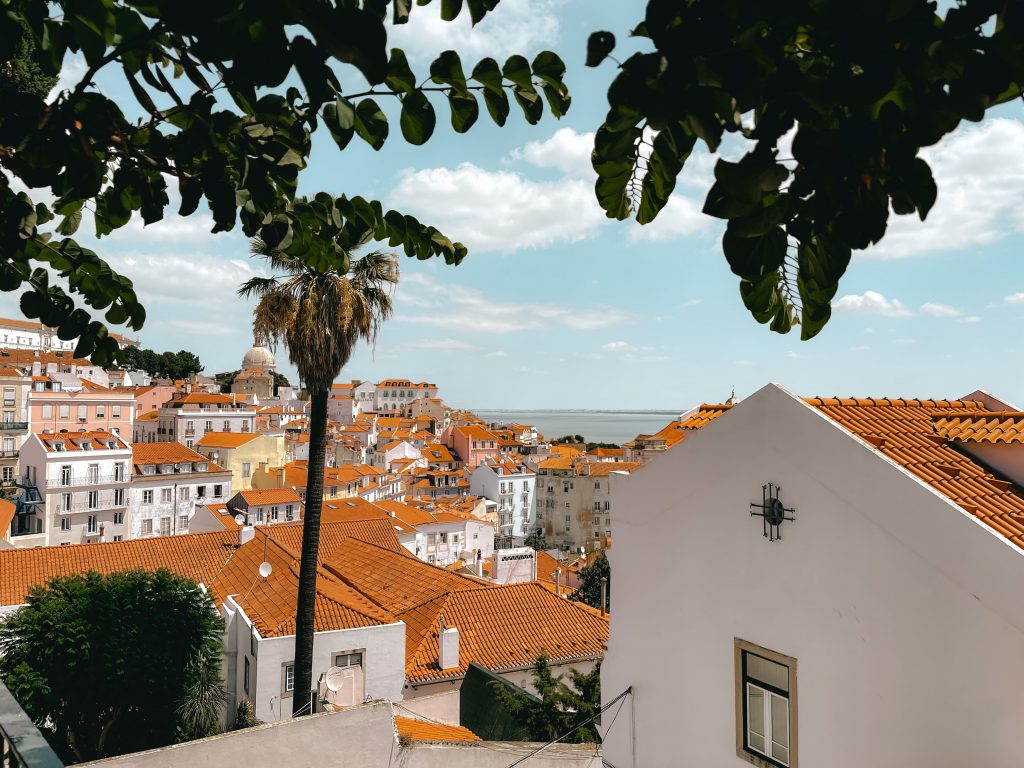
112,664
865,84
222,120
558,707
589,590
172,365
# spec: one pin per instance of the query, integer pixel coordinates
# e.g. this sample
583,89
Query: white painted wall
516,504
904,612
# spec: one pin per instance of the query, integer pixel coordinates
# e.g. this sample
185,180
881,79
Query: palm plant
320,316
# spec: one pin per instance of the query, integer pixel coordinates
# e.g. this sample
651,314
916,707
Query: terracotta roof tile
421,730
226,439
259,497
987,427
604,468
7,510
171,452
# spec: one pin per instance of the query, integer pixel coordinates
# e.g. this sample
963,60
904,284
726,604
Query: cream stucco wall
904,612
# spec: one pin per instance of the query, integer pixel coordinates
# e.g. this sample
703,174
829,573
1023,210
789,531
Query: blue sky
558,307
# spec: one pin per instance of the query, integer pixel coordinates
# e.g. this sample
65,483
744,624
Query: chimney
604,594
188,387
558,581
449,645
36,368
246,533
479,564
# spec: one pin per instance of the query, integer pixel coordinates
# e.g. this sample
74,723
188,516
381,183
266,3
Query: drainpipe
604,595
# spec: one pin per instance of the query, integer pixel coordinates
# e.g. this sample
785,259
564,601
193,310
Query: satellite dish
266,569
239,519
334,678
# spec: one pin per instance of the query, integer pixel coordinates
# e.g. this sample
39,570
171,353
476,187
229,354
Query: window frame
743,751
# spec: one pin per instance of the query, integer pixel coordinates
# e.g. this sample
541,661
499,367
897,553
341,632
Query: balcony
77,480
21,743
102,505
13,426
9,454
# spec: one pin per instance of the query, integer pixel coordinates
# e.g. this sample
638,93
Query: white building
29,334
168,483
187,417
393,395
887,596
82,482
512,486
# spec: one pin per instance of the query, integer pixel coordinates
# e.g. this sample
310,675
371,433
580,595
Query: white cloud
793,355
515,26
1014,298
870,303
497,353
566,150
940,310
691,303
191,278
969,319
439,344
72,70
459,308
619,348
499,210
979,171
681,216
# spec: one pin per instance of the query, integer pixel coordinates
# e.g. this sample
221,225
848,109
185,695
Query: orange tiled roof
198,556
148,416
904,432
171,452
8,372
72,441
988,427
226,439
379,532
501,627
259,497
270,602
7,510
421,730
604,468
606,452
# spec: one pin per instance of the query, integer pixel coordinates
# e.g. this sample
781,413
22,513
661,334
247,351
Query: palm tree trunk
310,543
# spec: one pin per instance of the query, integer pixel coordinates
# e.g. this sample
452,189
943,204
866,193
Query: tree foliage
112,664
22,73
222,116
171,365
866,85
561,707
589,590
227,378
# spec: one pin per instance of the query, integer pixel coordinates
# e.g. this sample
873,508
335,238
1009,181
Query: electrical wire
576,727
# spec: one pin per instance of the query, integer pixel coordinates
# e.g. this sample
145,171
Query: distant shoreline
596,425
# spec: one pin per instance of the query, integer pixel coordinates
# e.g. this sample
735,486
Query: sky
558,307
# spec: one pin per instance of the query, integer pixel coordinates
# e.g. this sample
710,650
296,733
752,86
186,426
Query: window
119,497
47,411
348,659
65,502
245,679
166,494
607,505
273,513
115,411
119,472
65,411
227,426
147,497
218,491
208,426
65,474
94,499
83,412
65,523
201,491
165,526
119,518
597,484
119,538
182,522
94,473
288,512
147,526
8,473
246,469
101,412
289,678
184,493
93,524
765,705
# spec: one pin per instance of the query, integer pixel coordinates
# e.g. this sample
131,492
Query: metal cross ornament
771,510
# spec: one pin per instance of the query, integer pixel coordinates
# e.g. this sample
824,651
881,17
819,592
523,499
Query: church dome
259,357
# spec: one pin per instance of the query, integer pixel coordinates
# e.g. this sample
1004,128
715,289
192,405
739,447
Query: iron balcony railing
21,743
13,426
100,506
73,480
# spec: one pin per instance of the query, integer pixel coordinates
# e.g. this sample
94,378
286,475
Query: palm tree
320,316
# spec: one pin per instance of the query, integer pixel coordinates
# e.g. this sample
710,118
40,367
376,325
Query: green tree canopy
229,98
589,590
22,73
172,365
112,664
561,707
866,85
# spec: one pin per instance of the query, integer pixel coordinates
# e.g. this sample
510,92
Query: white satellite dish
239,519
334,678
266,569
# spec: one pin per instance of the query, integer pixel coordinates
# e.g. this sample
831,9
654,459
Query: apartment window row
81,411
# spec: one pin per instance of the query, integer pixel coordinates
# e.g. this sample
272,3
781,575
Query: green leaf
465,111
417,120
340,119
921,187
488,74
497,105
450,9
599,45
400,76
371,124
531,104
70,223
517,69
447,68
754,257
558,99
550,68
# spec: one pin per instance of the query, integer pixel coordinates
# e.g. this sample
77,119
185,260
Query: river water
596,426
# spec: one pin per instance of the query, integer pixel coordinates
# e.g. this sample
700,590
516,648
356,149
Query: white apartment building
267,506
393,395
82,479
14,421
186,418
169,482
29,334
512,487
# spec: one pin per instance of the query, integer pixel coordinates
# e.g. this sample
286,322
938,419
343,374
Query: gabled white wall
904,613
